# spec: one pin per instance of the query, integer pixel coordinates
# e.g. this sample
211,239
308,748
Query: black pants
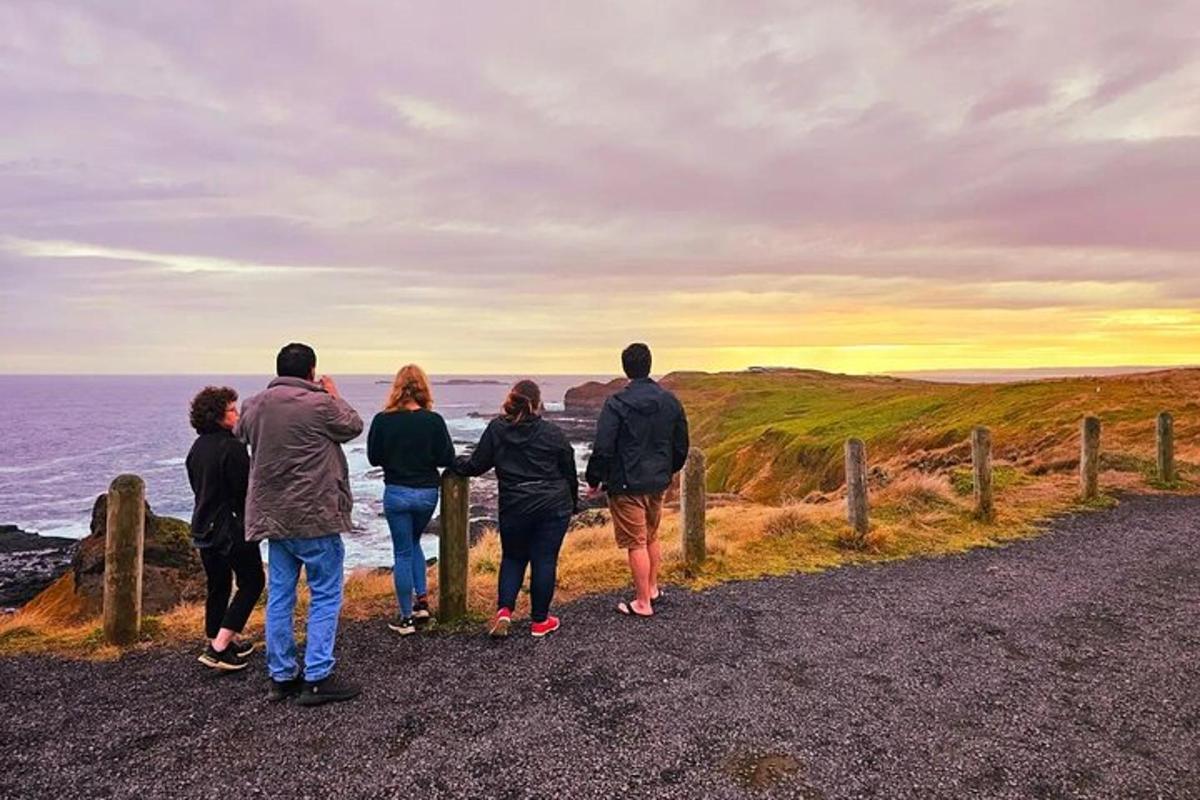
244,562
532,541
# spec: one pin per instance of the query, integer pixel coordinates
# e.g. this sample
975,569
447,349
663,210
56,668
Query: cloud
951,155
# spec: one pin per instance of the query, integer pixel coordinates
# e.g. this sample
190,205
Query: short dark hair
635,359
208,408
296,360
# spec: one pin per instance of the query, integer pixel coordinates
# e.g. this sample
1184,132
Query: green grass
776,436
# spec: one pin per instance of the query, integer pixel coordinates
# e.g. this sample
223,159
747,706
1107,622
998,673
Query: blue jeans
322,562
408,510
530,540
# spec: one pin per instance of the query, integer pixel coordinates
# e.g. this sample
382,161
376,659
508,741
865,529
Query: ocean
64,438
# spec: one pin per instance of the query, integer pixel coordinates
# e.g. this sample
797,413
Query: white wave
63,460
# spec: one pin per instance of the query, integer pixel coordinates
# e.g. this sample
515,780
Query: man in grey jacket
299,501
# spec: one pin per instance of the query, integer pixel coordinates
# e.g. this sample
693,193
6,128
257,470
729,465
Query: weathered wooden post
1089,460
1166,448
692,500
857,507
452,547
981,463
123,546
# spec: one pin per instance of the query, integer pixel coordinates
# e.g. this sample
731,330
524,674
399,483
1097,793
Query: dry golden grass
915,514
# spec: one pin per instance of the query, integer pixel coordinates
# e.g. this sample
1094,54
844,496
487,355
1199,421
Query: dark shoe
327,690
403,626
226,660
242,648
421,610
282,690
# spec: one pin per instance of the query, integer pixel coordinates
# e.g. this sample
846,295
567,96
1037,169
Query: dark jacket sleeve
679,441
482,458
605,446
566,463
445,449
375,443
236,468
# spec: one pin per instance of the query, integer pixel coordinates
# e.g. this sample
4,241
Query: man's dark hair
208,408
296,360
635,359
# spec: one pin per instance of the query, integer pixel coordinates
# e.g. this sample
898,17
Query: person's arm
566,465
680,441
482,458
237,474
375,443
605,446
342,422
445,448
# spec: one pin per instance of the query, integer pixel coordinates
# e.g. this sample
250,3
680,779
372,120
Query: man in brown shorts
641,441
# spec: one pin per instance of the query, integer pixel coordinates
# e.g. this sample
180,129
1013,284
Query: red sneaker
542,628
500,624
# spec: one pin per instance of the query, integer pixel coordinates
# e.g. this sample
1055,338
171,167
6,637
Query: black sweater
218,469
410,446
535,466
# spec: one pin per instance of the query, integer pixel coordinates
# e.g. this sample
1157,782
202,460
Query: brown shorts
635,518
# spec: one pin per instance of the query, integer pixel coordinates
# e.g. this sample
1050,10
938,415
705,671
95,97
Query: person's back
641,442
649,434
539,490
299,501
535,465
299,479
410,441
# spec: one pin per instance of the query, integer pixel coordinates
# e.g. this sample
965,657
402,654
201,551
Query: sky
520,187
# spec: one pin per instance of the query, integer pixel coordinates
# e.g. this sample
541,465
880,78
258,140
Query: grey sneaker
404,626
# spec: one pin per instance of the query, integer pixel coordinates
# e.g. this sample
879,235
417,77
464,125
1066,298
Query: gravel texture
1062,666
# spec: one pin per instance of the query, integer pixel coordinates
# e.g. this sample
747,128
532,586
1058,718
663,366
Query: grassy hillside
776,437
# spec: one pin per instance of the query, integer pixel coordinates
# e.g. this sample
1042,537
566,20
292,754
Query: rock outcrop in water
588,398
171,573
29,563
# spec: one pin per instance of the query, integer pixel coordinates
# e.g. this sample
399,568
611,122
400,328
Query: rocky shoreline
29,563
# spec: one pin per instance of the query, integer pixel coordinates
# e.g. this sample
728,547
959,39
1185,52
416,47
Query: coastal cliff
778,436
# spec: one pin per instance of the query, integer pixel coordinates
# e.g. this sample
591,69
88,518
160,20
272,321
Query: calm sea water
64,438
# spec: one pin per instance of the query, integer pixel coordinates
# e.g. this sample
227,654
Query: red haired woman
539,490
410,441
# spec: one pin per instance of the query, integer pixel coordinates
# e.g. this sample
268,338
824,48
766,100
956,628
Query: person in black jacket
641,442
539,490
219,469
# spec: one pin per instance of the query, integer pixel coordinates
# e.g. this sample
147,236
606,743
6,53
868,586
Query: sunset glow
500,188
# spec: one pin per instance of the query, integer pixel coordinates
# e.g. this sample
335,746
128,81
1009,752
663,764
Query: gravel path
1064,666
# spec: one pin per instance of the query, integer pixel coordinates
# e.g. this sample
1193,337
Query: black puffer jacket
534,462
641,440
218,469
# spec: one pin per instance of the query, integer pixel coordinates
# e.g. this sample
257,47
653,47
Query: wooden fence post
692,500
123,546
452,547
1166,448
981,462
857,507
1089,461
